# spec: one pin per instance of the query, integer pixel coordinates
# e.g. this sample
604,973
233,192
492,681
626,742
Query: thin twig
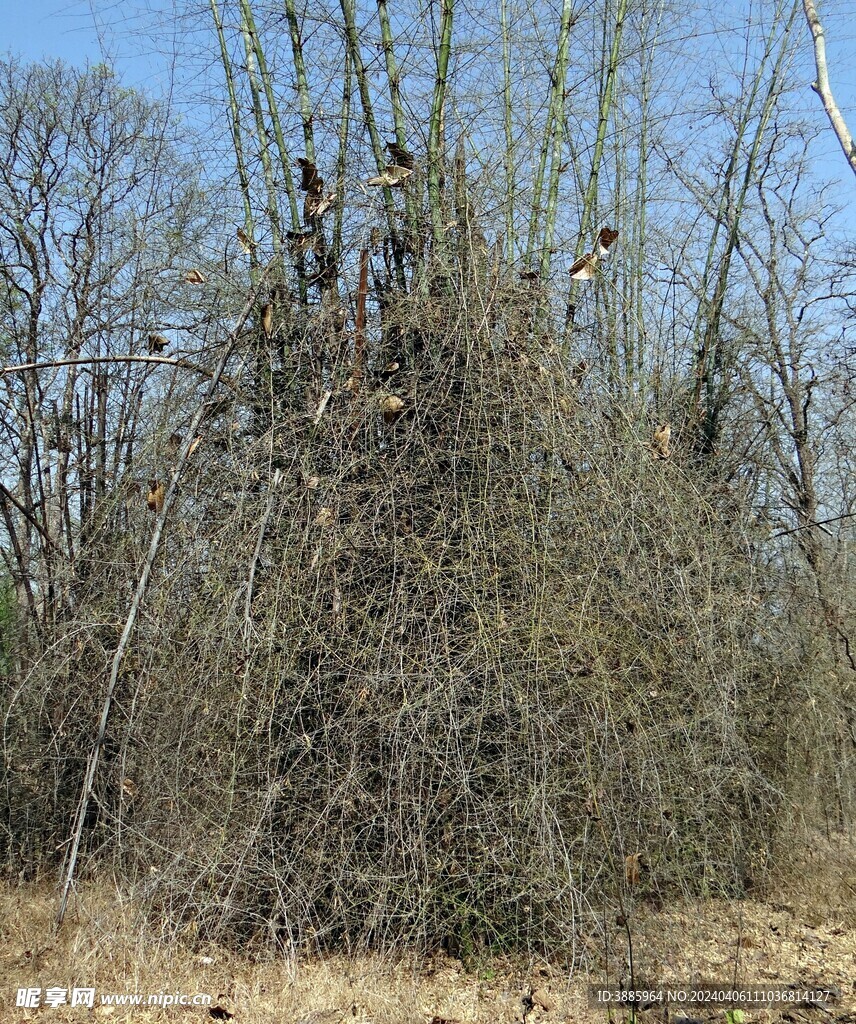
818,522
86,360
28,515
130,622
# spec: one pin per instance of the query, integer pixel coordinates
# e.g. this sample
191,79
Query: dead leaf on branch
390,406
584,268
605,239
155,495
266,320
157,343
310,180
247,243
194,276
400,157
662,436
392,176
632,867
315,205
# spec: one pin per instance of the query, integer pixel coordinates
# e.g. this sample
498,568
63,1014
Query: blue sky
80,31
45,28
119,31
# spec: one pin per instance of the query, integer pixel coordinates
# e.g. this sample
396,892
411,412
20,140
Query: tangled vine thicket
468,618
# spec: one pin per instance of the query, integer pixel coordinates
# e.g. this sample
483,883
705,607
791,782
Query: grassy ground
803,931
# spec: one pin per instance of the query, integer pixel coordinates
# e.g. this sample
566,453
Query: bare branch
130,622
49,364
822,87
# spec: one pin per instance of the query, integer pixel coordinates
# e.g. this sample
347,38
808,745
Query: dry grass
803,931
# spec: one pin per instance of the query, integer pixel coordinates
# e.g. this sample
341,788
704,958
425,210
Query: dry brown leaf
267,320
605,239
631,868
317,204
392,176
157,343
155,495
662,436
542,998
584,268
194,276
391,404
194,444
247,244
312,482
325,516
309,180
299,242
400,157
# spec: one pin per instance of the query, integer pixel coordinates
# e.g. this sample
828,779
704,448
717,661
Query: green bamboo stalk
510,240
538,188
608,301
261,131
303,99
237,143
640,205
394,78
604,112
273,110
392,73
352,43
636,258
326,261
557,119
435,133
626,259
342,155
